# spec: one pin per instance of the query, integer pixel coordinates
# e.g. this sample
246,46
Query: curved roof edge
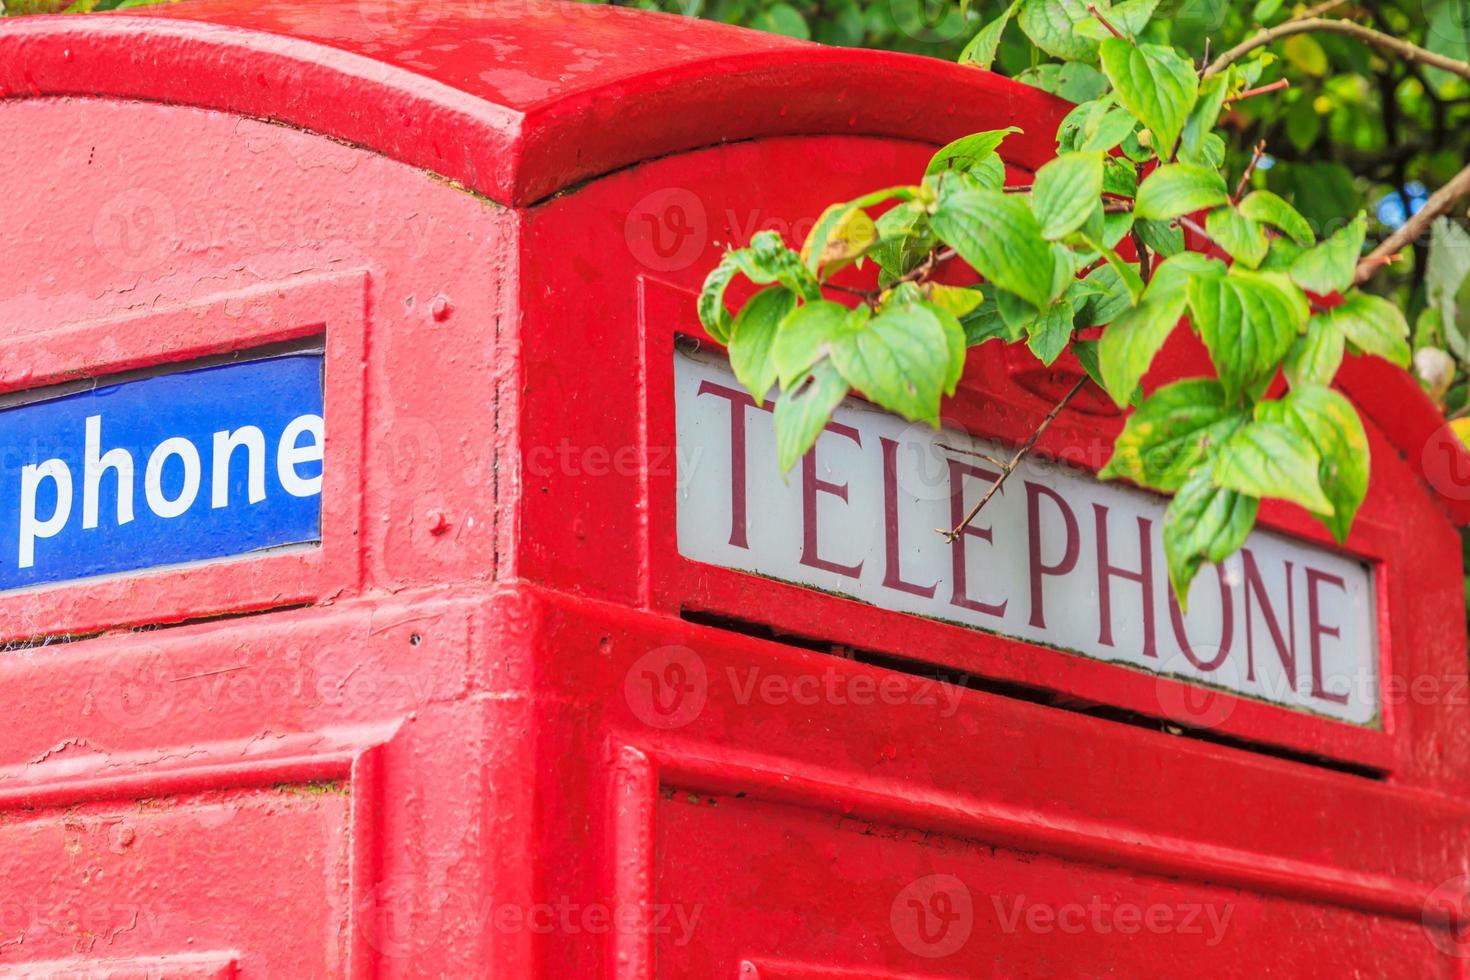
522,126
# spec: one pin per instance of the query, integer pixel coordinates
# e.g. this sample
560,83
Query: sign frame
332,307
992,404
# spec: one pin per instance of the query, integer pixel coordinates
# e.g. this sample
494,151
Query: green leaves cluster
1096,239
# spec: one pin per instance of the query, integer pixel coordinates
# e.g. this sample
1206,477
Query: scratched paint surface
134,876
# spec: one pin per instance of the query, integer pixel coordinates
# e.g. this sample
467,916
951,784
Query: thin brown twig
1015,461
1404,49
1092,9
1245,178
1275,86
1439,202
1145,267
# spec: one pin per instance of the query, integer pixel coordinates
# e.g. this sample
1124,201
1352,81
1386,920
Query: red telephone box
395,585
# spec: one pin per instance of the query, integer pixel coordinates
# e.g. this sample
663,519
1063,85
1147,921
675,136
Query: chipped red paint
494,725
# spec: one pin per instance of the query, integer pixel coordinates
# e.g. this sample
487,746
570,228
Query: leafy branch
1095,241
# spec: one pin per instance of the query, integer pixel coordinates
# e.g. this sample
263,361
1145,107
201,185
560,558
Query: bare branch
1092,9
1245,178
1313,25
1275,86
1007,469
1439,202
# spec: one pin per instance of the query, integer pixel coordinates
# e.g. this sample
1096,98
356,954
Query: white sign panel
1056,557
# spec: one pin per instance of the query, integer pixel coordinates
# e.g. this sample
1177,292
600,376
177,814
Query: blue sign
207,463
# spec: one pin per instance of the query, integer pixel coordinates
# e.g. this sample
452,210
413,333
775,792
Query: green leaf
1372,324
956,342
1332,426
1171,432
1264,459
1242,239
1445,273
1052,26
1127,271
1204,116
1330,267
752,335
1066,192
984,323
1164,237
1129,344
998,235
1265,10
1271,209
1120,178
845,231
1086,351
1107,301
803,410
1015,311
808,333
1116,226
767,259
1179,188
1316,355
957,300
903,239
983,46
842,233
1175,273
968,152
1048,333
899,360
1108,130
1129,18
782,18
1204,523
1155,84
1248,321
713,315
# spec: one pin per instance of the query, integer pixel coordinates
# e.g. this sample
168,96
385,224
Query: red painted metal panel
497,742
